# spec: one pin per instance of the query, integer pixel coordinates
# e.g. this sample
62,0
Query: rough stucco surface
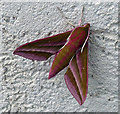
24,83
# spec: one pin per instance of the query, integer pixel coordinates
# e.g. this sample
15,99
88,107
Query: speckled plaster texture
24,83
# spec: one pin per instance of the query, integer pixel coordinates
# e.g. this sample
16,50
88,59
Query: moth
71,50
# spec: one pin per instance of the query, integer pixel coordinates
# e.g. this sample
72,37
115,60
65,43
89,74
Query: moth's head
86,25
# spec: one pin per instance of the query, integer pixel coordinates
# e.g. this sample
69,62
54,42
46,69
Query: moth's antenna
66,19
79,25
81,16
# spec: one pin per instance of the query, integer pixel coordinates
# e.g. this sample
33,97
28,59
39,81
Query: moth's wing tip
80,102
83,100
15,52
50,75
71,87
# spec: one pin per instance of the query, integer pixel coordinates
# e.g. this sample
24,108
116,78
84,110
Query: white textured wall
24,83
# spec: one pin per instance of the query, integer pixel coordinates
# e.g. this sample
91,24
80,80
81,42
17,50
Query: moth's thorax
78,35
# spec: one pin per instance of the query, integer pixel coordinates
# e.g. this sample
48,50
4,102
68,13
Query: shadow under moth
70,49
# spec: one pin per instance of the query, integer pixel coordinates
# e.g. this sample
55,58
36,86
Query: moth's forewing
42,49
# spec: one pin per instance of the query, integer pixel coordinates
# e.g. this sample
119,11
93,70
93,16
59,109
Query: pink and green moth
68,50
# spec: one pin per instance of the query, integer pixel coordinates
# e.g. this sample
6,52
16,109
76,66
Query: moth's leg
80,21
106,31
43,8
93,41
66,19
101,30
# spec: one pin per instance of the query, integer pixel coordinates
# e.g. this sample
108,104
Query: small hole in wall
49,33
92,76
103,50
